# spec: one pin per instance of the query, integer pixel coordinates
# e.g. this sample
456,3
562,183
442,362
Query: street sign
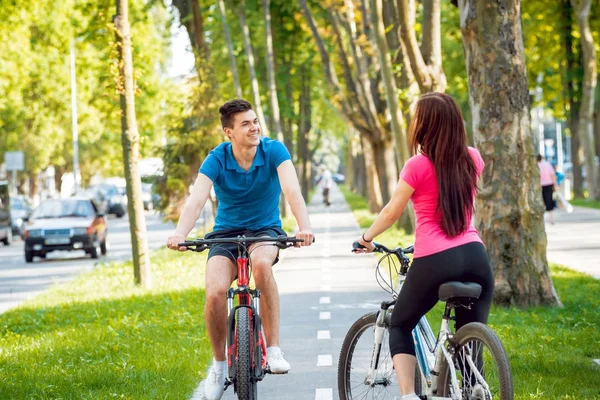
14,161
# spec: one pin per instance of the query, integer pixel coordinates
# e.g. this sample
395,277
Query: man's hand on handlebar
174,240
305,235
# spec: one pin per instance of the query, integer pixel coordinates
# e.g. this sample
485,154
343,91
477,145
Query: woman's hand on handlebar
174,240
362,246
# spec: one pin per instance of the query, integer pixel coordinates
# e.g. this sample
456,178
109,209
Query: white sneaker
277,363
215,383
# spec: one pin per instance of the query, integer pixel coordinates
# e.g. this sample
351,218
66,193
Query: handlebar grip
357,246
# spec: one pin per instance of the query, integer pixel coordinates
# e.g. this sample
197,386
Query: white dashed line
324,394
323,335
325,300
325,288
324,360
326,278
324,315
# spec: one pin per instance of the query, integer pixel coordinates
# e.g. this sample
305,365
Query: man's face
246,130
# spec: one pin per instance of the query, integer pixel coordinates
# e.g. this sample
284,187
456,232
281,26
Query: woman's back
419,173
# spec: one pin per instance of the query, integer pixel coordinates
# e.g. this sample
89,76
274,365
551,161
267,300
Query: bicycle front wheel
355,361
481,365
245,385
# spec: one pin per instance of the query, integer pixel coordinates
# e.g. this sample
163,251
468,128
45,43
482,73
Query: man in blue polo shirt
248,174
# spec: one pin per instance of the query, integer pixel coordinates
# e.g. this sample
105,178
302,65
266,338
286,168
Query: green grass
360,208
101,337
551,350
585,203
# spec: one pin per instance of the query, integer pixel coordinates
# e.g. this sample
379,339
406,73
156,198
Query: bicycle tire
245,385
483,334
346,356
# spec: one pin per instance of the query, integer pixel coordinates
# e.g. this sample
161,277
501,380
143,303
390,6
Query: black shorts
547,192
230,250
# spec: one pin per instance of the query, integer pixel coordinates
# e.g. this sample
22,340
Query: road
19,280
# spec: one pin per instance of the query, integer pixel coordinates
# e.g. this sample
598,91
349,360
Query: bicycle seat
452,290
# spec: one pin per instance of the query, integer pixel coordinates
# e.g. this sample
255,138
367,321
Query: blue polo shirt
247,200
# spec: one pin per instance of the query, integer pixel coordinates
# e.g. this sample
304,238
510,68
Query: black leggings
466,263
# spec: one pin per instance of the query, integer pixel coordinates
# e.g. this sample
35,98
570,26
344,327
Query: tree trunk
131,149
427,70
572,99
389,83
509,206
234,73
59,171
251,68
266,4
405,80
585,127
597,119
360,169
373,186
406,221
304,127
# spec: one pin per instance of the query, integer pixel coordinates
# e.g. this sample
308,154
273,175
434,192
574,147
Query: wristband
365,240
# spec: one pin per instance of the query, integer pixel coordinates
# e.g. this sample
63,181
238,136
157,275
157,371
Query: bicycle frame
249,298
430,352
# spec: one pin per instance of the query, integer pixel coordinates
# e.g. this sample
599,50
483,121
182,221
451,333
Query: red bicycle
246,344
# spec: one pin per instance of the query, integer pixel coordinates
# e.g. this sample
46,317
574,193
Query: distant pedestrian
560,177
548,183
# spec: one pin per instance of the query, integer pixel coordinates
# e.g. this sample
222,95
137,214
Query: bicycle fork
381,325
247,296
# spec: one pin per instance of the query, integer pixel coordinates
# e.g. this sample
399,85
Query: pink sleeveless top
419,173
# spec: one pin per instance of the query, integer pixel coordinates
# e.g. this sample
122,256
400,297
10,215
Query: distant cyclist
441,180
248,174
326,182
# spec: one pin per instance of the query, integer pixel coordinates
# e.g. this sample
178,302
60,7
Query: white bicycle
470,364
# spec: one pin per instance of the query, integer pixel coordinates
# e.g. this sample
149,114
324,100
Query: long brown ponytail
438,128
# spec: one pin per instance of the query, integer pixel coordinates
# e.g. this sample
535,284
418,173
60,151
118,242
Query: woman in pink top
548,183
441,180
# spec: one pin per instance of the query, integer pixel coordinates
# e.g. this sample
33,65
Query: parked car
20,209
147,196
338,178
5,220
65,224
108,198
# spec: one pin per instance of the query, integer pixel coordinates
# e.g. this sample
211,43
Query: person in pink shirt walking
548,182
441,180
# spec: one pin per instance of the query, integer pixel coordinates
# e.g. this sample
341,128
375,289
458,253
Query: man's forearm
187,219
300,212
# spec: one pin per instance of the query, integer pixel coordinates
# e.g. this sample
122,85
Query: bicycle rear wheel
245,385
355,360
481,365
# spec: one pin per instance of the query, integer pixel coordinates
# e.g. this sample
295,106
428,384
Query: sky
182,61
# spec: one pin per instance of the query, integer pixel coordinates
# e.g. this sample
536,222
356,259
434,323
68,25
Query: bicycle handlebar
380,248
200,245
